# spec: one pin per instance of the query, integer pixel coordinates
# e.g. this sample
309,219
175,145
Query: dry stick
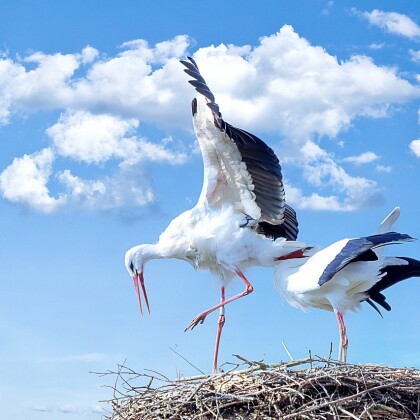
182,357
348,413
157,373
261,365
340,400
200,385
287,350
330,354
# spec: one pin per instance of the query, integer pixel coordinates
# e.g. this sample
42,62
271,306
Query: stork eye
132,266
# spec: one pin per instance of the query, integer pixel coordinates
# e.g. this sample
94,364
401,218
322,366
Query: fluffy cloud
95,140
322,172
287,85
283,85
366,157
415,147
297,199
415,55
69,408
92,138
140,81
383,169
392,22
96,409
25,181
119,191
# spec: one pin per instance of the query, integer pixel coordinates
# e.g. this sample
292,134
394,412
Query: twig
182,357
287,350
341,400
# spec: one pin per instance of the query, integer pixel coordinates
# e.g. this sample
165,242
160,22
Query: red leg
344,341
220,323
199,319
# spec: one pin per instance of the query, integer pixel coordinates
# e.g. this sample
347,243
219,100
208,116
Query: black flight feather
394,274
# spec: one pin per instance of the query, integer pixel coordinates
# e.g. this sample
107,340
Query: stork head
135,258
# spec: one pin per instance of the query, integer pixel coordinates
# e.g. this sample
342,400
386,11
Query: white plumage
241,218
341,276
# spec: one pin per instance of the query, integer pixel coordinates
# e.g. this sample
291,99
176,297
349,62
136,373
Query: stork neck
151,252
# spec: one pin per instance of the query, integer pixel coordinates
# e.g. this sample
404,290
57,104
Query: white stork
241,218
346,273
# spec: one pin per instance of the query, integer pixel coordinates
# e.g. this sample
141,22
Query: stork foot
199,319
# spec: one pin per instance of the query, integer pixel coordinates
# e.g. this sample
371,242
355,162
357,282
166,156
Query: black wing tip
380,299
388,237
369,301
190,65
192,60
200,85
189,62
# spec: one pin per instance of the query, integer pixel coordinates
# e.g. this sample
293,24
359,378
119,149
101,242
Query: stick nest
313,388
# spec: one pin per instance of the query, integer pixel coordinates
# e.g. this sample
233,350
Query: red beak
295,254
139,281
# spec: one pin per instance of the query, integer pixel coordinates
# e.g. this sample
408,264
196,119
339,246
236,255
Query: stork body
241,218
341,276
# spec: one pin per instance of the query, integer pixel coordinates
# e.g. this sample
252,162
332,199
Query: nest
313,388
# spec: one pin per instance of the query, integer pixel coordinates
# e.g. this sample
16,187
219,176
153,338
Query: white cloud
283,85
366,157
353,191
140,81
68,408
297,199
89,54
327,9
320,170
395,23
384,169
48,85
415,147
121,190
376,46
92,138
96,409
132,85
25,181
9,74
415,55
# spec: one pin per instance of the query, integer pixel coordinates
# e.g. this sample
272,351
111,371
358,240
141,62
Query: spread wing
360,249
239,167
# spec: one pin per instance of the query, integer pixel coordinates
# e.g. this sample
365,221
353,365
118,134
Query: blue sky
97,154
